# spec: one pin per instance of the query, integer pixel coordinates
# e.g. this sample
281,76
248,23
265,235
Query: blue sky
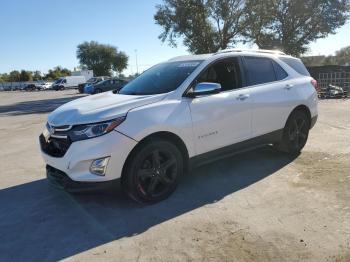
41,34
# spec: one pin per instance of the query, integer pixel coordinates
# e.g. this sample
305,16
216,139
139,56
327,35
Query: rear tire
295,133
152,171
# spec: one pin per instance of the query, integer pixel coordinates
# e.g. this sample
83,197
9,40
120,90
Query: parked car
91,81
44,85
106,85
180,113
68,82
30,87
333,91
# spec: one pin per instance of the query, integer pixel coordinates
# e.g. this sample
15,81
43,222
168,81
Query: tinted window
259,70
279,71
161,78
226,72
296,64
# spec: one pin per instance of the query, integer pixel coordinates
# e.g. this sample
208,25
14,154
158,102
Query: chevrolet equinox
183,112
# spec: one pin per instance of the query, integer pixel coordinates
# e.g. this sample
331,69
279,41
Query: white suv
188,110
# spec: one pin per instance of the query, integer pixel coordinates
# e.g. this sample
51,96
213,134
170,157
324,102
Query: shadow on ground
35,106
41,223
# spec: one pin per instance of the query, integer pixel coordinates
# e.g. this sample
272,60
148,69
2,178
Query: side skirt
237,148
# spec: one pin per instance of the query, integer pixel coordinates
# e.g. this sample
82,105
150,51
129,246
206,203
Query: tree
291,25
14,76
26,76
101,58
4,77
342,57
57,72
204,25
37,76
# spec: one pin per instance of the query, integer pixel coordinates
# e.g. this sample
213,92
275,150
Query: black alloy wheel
153,171
295,133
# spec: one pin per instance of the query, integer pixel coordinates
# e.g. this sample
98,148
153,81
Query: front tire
295,133
152,171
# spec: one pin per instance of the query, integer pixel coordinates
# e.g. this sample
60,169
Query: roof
190,57
262,52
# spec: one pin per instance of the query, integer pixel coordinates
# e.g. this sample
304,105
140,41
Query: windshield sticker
190,64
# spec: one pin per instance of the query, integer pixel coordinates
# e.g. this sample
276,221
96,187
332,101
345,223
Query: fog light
99,166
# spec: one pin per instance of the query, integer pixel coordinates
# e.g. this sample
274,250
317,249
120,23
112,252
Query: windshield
92,80
161,78
59,80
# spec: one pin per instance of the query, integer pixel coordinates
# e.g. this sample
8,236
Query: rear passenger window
279,71
259,70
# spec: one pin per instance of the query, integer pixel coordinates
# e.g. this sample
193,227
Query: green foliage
343,56
14,76
37,76
209,25
291,25
205,26
57,72
26,76
101,58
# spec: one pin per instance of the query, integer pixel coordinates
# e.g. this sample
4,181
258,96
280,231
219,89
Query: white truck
85,73
68,82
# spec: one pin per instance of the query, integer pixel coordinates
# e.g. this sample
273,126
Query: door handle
288,86
243,96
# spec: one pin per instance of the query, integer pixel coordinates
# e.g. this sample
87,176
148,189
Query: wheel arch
165,135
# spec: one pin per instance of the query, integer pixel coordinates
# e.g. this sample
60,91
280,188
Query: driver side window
225,72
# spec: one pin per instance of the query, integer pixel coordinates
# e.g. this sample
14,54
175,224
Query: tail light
314,83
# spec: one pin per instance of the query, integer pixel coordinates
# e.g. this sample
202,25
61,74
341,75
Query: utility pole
137,65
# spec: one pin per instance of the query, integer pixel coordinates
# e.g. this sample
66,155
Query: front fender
165,116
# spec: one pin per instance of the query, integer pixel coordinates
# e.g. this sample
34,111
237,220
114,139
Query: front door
221,119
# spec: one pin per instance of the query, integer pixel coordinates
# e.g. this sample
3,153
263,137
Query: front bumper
61,180
77,160
89,89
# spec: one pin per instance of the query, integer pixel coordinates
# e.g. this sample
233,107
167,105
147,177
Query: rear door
222,119
268,83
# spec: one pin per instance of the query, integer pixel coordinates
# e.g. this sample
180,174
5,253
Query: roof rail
277,52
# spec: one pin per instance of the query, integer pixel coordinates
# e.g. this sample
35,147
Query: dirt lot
258,206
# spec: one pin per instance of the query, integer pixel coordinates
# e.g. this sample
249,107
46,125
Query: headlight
87,131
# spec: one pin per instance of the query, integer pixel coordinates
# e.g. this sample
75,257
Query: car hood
98,108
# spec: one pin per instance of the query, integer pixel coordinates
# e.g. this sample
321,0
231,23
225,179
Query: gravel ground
257,206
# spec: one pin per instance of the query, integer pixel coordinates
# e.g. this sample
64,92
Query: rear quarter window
279,71
296,64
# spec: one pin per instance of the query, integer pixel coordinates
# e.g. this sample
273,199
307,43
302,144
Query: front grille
54,147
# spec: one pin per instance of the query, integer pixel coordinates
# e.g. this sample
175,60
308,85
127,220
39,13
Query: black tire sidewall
129,181
287,143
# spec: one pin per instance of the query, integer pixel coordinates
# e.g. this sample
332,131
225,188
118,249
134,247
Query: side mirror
205,88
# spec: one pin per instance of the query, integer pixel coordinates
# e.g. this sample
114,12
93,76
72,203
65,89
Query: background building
331,74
